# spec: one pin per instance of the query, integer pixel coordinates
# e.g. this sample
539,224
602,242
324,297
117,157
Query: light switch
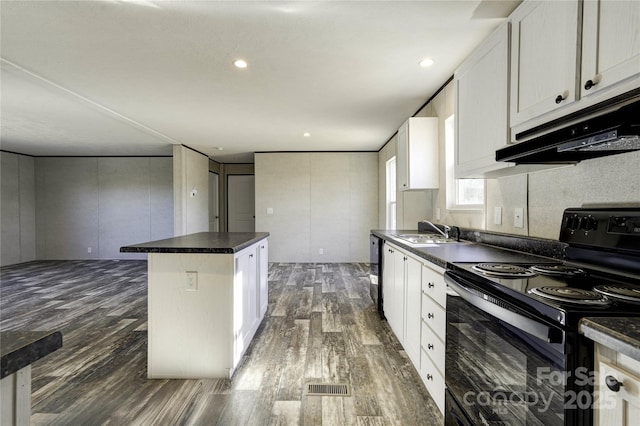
192,280
518,217
497,216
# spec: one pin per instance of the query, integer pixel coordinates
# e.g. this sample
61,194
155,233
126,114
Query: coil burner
620,292
504,270
576,296
557,270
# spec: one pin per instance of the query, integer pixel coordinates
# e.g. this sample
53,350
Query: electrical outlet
321,251
269,210
192,281
518,217
88,249
497,216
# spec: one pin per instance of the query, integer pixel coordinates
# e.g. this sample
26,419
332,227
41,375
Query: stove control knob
588,223
573,222
613,384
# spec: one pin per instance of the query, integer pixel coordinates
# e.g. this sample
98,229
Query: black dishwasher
375,274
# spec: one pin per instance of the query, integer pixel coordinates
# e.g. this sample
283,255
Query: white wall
18,209
102,203
323,201
190,171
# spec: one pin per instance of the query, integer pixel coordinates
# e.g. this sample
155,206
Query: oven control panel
604,228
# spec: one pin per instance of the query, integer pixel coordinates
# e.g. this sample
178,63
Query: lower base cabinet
613,405
414,294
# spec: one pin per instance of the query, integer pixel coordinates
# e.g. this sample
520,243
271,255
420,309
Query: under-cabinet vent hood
598,131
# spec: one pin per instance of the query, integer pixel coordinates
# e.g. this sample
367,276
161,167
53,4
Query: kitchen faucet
444,233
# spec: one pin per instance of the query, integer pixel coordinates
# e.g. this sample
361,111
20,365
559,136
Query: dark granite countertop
202,242
465,251
21,348
621,334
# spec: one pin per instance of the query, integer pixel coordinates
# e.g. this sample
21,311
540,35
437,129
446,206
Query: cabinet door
482,92
610,44
263,277
245,296
397,320
402,150
621,407
388,277
412,317
417,151
543,58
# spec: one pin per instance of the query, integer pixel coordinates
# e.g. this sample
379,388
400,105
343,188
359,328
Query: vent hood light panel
612,128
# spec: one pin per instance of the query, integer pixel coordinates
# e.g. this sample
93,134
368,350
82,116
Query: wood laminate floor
320,327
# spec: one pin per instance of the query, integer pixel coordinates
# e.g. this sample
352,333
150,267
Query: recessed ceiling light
426,62
306,134
240,63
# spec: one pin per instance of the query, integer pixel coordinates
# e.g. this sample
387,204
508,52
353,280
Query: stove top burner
572,295
619,292
505,270
557,270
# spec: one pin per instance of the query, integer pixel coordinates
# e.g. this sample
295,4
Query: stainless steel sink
425,239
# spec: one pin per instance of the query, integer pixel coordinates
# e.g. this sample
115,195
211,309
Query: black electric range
512,328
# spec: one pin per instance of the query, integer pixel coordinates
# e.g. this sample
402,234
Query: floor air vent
323,389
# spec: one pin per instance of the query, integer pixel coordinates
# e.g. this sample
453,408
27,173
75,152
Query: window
462,194
391,193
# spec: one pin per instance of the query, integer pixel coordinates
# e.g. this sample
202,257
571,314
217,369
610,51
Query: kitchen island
207,295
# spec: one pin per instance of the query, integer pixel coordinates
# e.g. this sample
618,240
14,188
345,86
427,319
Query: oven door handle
491,305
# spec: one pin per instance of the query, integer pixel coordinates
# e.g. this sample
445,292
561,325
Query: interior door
241,203
214,203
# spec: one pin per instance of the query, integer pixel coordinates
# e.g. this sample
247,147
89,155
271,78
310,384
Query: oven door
503,366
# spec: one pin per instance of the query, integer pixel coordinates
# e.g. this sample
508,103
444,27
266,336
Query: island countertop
201,242
21,348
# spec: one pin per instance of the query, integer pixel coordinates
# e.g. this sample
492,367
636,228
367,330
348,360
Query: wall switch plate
321,251
269,210
437,213
88,249
192,281
518,217
497,216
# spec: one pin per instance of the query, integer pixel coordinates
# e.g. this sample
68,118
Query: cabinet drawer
433,284
434,316
433,346
433,380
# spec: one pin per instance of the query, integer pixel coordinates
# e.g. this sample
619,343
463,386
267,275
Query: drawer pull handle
430,346
589,84
429,377
559,99
429,315
430,285
613,384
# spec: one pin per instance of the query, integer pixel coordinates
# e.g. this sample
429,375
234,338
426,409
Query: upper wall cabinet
610,44
544,48
554,72
417,163
482,93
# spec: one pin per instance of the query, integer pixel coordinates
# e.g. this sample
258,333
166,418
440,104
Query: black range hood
604,129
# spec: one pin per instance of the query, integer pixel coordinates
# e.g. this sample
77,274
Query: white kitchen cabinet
434,324
621,407
544,48
263,276
401,297
413,274
246,314
610,46
481,118
417,154
597,59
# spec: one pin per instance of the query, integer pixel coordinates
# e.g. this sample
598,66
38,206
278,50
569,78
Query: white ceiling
109,77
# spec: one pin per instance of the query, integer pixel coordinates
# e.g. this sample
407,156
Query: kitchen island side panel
190,331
